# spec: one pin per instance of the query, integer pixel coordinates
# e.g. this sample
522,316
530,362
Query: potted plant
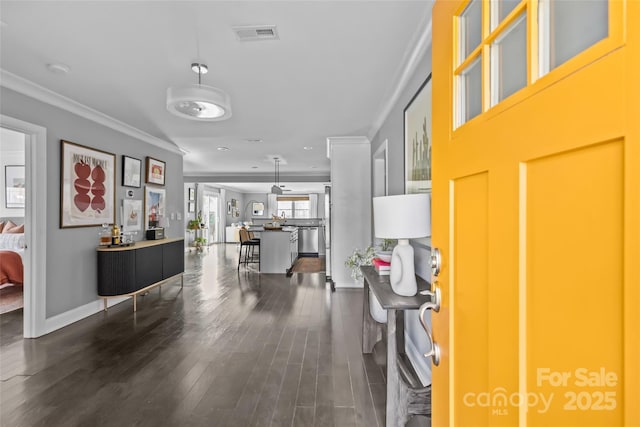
199,242
359,258
386,249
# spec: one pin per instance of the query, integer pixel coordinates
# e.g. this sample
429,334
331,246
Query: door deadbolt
436,261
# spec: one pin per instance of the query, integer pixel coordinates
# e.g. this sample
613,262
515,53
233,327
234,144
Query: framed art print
192,194
87,186
131,172
14,192
154,206
131,215
417,141
156,170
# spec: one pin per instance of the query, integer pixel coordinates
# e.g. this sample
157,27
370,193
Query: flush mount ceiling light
199,102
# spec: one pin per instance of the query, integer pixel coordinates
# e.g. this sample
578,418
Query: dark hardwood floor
229,349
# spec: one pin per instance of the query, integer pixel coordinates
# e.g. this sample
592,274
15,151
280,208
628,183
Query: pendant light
275,189
198,101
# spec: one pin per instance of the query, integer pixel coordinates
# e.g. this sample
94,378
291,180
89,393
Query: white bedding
12,242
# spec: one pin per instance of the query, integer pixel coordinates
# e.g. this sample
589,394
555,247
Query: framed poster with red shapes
87,186
155,171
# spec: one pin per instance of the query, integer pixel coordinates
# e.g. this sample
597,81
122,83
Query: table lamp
402,217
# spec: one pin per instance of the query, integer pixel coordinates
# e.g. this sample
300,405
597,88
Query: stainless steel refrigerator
326,229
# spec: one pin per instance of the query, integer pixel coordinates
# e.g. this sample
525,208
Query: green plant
388,244
193,224
359,258
200,241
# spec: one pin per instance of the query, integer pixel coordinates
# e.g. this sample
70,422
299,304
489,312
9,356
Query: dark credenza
131,270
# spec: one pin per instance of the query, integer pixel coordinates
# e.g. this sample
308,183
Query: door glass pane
509,61
569,27
471,91
470,28
500,9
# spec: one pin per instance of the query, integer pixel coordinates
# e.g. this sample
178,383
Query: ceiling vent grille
256,32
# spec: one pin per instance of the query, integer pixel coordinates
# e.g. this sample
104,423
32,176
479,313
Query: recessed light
308,148
223,148
256,140
314,167
58,68
254,167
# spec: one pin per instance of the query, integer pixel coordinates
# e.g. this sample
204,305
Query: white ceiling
331,72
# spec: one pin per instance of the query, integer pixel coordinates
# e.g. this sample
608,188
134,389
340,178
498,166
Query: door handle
434,353
435,295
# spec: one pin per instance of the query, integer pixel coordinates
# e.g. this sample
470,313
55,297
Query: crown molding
410,63
42,94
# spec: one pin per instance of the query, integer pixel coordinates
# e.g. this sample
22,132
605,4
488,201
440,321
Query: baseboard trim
352,285
61,320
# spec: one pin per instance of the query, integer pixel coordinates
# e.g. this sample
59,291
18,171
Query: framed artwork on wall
229,208
14,192
87,186
417,141
131,172
257,208
192,207
192,194
156,170
131,215
154,206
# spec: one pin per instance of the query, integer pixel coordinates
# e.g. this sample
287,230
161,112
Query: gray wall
71,267
247,215
393,130
227,198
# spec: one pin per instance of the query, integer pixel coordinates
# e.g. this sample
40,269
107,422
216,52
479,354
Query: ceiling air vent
256,32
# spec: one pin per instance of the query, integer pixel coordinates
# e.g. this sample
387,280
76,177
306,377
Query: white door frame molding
35,224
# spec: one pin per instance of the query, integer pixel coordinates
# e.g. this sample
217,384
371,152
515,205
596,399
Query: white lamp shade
199,102
406,216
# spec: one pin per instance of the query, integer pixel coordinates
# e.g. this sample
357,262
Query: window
501,46
294,206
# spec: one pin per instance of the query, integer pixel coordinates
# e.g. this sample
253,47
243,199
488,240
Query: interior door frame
35,219
381,170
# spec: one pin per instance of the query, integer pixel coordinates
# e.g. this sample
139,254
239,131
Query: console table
132,270
405,394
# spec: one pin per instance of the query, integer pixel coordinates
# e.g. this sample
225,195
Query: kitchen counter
278,250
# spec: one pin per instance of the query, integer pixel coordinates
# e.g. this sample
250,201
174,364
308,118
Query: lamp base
402,275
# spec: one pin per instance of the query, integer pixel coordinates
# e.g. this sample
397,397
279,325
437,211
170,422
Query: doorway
210,216
35,224
12,209
380,170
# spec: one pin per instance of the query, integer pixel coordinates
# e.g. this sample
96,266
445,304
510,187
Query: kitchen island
278,250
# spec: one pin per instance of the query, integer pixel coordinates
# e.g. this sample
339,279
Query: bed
11,267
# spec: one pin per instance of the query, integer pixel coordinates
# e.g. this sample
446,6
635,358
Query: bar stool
248,245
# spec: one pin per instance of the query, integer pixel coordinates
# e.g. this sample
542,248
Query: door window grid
496,19
509,77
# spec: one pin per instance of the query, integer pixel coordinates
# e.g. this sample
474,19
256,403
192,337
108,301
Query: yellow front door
536,212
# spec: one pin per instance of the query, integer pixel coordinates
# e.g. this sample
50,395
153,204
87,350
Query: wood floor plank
228,349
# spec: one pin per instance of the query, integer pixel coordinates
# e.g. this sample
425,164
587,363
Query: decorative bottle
115,235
